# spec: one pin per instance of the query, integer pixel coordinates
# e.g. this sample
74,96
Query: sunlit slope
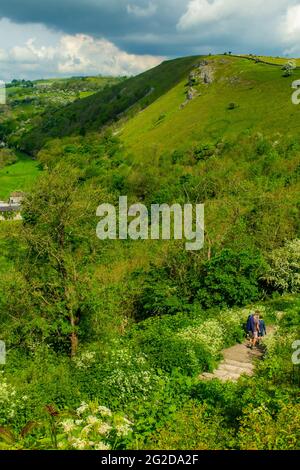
243,97
109,105
278,60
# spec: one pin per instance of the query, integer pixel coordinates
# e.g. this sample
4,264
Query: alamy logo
296,355
162,222
296,94
2,353
2,92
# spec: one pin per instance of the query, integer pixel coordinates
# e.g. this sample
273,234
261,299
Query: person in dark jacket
262,328
250,325
253,329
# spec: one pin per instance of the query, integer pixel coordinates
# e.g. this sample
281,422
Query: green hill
109,104
244,97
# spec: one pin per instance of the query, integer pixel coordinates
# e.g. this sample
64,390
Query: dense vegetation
106,339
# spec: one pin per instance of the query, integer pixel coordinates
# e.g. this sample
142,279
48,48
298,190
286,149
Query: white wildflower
68,425
79,444
104,429
102,446
92,420
104,411
87,429
123,430
83,407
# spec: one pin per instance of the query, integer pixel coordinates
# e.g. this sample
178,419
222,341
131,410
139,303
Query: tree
283,273
288,68
59,236
230,278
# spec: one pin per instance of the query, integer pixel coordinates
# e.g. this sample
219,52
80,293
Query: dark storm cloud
105,35
140,26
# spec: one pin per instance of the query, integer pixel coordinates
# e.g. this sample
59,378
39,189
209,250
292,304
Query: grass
278,60
263,104
18,177
109,104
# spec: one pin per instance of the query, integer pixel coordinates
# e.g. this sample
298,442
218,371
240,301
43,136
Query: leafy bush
230,278
232,321
7,157
204,151
11,402
179,342
126,376
159,297
210,334
260,430
195,427
283,273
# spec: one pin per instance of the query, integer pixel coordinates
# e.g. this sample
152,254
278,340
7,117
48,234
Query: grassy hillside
262,99
110,104
28,100
259,92
278,60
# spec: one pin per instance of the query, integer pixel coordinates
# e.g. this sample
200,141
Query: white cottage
11,210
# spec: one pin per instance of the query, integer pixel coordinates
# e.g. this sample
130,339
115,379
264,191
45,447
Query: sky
52,38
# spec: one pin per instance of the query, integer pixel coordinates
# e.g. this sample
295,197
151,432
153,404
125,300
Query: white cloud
142,12
257,26
64,55
82,53
168,27
201,12
290,30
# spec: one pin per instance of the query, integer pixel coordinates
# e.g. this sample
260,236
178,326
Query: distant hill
109,104
242,97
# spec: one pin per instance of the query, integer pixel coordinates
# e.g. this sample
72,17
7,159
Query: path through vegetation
238,360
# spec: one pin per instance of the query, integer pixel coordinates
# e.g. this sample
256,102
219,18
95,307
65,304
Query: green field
18,177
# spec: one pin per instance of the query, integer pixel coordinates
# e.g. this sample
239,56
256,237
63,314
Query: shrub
232,106
288,68
283,272
7,157
160,296
204,151
232,322
11,402
180,342
230,278
260,430
209,334
195,427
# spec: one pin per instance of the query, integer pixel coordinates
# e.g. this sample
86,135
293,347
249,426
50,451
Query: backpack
249,324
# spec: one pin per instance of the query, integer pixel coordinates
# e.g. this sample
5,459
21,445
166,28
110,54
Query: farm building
11,210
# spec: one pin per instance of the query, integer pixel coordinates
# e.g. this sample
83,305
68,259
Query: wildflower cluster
85,360
210,334
10,402
94,427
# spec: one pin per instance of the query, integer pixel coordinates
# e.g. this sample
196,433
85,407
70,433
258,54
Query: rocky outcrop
191,93
203,74
207,74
